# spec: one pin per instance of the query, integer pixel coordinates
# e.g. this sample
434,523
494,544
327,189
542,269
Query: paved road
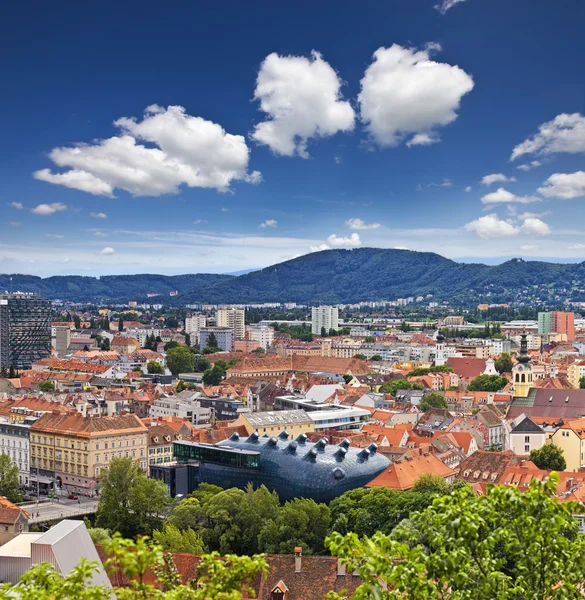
52,511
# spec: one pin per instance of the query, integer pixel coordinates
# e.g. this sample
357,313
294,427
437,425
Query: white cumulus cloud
445,5
534,226
361,225
530,165
502,196
100,234
268,223
490,226
468,188
48,209
17,205
353,241
405,93
565,133
565,186
182,150
423,139
98,215
496,178
107,250
199,221
302,99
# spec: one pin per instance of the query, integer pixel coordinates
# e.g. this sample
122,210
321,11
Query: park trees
130,503
487,383
509,544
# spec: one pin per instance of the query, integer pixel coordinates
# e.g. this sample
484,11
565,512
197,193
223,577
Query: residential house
13,521
403,473
570,438
524,435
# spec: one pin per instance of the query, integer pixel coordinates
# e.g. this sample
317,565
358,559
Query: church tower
440,351
522,370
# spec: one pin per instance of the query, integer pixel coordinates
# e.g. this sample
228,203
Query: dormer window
279,591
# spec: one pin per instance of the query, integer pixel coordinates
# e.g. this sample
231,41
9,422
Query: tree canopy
130,503
504,363
487,383
154,367
549,457
509,544
9,486
180,360
432,400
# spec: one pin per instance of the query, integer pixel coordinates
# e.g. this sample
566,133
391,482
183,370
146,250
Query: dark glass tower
25,330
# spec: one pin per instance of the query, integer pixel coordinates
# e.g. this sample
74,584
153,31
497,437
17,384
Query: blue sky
215,137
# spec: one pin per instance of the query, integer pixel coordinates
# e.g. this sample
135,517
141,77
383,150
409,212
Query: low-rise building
294,422
13,521
186,405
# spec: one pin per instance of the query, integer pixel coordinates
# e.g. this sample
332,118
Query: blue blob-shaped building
294,468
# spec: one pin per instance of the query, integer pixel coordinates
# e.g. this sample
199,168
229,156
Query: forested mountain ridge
330,276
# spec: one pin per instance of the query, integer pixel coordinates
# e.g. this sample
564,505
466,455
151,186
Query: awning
40,479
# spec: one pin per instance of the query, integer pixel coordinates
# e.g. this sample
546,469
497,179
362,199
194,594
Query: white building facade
324,317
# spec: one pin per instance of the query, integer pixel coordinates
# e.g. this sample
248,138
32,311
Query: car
72,497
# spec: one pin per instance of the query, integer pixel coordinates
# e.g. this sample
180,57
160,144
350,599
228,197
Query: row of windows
72,444
120,455
13,443
160,450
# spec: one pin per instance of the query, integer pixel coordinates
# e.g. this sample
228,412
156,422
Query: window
527,439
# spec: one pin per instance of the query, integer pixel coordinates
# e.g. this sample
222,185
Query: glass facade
294,468
25,330
190,451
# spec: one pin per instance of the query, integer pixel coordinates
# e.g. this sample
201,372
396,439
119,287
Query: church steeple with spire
522,370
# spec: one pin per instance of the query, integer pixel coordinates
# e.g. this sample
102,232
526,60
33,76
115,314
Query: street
53,511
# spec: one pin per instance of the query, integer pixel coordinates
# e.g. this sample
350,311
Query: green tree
301,522
360,356
376,358
504,363
154,368
9,486
170,345
172,539
201,364
347,378
3,372
77,321
550,457
393,386
180,360
213,376
582,382
105,344
432,400
99,535
12,372
188,340
323,332
370,339
509,544
121,324
212,341
429,483
130,503
487,383
47,386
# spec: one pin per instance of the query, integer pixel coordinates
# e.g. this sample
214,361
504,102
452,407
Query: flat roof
19,547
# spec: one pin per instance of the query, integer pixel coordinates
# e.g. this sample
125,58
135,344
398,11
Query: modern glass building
294,468
25,330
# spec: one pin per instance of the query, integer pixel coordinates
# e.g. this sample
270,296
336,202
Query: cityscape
275,321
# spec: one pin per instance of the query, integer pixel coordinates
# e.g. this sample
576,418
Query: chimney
340,568
298,559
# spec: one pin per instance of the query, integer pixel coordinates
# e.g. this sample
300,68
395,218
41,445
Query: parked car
72,497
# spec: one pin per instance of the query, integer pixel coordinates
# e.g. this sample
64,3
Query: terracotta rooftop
466,367
9,512
79,426
403,473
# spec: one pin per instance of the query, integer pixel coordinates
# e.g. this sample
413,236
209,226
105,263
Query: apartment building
70,451
324,317
223,335
14,441
234,319
263,334
185,405
193,325
557,322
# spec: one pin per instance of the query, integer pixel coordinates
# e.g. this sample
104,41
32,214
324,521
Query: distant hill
329,276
